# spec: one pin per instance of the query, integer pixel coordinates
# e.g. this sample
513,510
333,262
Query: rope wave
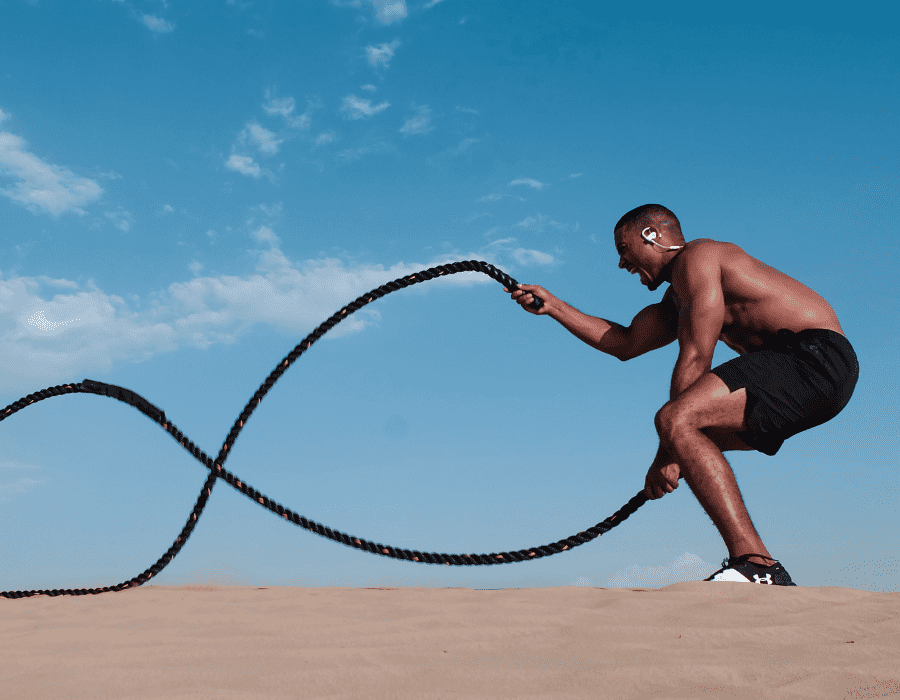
217,471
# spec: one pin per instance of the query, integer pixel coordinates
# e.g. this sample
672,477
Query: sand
688,640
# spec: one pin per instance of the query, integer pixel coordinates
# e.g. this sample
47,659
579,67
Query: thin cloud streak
82,331
42,186
357,108
245,165
390,11
260,138
419,124
155,24
530,182
380,56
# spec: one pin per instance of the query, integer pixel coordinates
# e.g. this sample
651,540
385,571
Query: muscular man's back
759,300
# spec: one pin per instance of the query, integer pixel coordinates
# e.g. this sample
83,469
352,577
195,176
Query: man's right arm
605,336
652,328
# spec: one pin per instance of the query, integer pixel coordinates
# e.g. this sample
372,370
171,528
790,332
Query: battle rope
89,386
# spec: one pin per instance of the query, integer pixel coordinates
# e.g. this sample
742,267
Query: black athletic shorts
802,380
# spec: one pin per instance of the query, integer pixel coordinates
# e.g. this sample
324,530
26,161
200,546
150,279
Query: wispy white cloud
244,165
531,182
271,211
357,153
420,124
42,186
20,486
526,257
79,330
157,25
381,55
574,175
467,110
38,321
464,146
506,247
390,11
386,11
357,108
301,121
120,218
259,138
369,88
539,222
432,3
495,197
265,235
278,105
255,137
284,107
323,139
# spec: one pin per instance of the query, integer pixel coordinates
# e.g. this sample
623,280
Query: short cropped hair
652,215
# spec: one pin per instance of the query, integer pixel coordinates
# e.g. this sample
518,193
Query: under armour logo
767,579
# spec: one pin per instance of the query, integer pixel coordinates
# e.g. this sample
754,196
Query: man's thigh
726,441
707,404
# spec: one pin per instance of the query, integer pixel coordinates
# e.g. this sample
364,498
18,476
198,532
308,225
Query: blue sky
188,189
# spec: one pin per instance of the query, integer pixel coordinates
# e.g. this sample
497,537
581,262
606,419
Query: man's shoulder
707,246
706,251
701,258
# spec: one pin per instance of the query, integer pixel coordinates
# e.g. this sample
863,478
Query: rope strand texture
217,471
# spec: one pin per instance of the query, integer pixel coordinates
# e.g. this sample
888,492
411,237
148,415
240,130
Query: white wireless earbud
651,238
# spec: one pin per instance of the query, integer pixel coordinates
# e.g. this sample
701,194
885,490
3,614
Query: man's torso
759,300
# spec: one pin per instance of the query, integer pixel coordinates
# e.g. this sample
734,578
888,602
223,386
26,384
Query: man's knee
673,420
670,420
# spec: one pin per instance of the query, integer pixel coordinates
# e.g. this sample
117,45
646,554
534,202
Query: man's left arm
700,318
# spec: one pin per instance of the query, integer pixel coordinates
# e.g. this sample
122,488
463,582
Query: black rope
89,386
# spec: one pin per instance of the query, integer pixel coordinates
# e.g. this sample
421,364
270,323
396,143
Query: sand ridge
689,639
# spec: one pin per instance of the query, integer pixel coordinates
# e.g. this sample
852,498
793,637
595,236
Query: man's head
643,238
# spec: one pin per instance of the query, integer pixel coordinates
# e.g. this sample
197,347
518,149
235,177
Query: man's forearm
688,369
606,336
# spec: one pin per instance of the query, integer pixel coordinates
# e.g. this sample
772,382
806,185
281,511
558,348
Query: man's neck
665,275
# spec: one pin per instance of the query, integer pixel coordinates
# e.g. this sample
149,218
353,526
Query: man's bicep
653,328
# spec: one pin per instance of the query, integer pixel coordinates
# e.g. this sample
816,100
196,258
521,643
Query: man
795,369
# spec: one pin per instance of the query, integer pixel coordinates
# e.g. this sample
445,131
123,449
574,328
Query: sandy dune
688,640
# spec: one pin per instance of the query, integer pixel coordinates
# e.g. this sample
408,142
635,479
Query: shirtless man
795,369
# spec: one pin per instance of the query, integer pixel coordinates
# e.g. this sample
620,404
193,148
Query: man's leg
664,462
685,425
